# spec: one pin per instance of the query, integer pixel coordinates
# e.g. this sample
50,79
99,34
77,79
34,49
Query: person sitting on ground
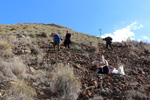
108,42
102,66
57,40
67,39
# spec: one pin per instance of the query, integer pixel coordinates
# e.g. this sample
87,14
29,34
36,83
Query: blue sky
117,18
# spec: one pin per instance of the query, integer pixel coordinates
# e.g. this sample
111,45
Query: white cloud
145,37
139,40
123,34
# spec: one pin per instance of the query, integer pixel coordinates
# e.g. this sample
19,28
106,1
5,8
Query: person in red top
67,41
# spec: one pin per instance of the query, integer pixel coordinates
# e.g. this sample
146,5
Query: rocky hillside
44,30
31,70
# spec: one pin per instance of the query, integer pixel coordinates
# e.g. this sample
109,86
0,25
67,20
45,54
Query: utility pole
100,31
100,34
99,37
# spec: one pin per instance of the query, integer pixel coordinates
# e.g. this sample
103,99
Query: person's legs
100,70
106,70
97,70
110,46
54,44
65,43
107,45
68,43
57,46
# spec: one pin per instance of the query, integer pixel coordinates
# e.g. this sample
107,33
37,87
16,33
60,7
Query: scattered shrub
5,49
76,48
20,90
95,47
33,35
134,95
13,69
4,45
43,34
65,83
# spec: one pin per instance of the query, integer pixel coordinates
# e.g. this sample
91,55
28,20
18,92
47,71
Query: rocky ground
40,60
134,85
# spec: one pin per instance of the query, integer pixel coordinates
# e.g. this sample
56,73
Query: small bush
5,49
13,69
65,83
134,95
33,35
4,45
43,34
95,47
76,48
20,90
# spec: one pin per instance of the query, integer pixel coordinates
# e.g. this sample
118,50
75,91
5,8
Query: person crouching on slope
102,66
67,39
57,40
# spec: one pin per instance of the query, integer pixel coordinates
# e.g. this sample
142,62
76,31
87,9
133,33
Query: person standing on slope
108,42
67,41
57,40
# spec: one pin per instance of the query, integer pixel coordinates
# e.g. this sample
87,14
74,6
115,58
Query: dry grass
95,47
37,30
135,95
65,83
4,45
76,48
20,90
5,49
13,69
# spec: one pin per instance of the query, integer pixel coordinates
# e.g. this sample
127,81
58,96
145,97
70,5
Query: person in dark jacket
67,41
108,42
57,40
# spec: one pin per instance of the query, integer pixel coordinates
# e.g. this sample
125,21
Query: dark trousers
109,44
104,70
67,43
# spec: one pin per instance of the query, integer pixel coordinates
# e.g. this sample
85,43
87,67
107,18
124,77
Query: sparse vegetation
135,95
76,48
5,49
29,66
4,45
65,82
95,47
13,69
20,90
37,30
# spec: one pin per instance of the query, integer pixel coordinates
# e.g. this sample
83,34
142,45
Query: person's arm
54,39
106,63
98,66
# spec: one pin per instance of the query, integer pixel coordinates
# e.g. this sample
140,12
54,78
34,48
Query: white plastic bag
119,71
114,71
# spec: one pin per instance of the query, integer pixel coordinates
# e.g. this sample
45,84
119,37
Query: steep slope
36,62
35,30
